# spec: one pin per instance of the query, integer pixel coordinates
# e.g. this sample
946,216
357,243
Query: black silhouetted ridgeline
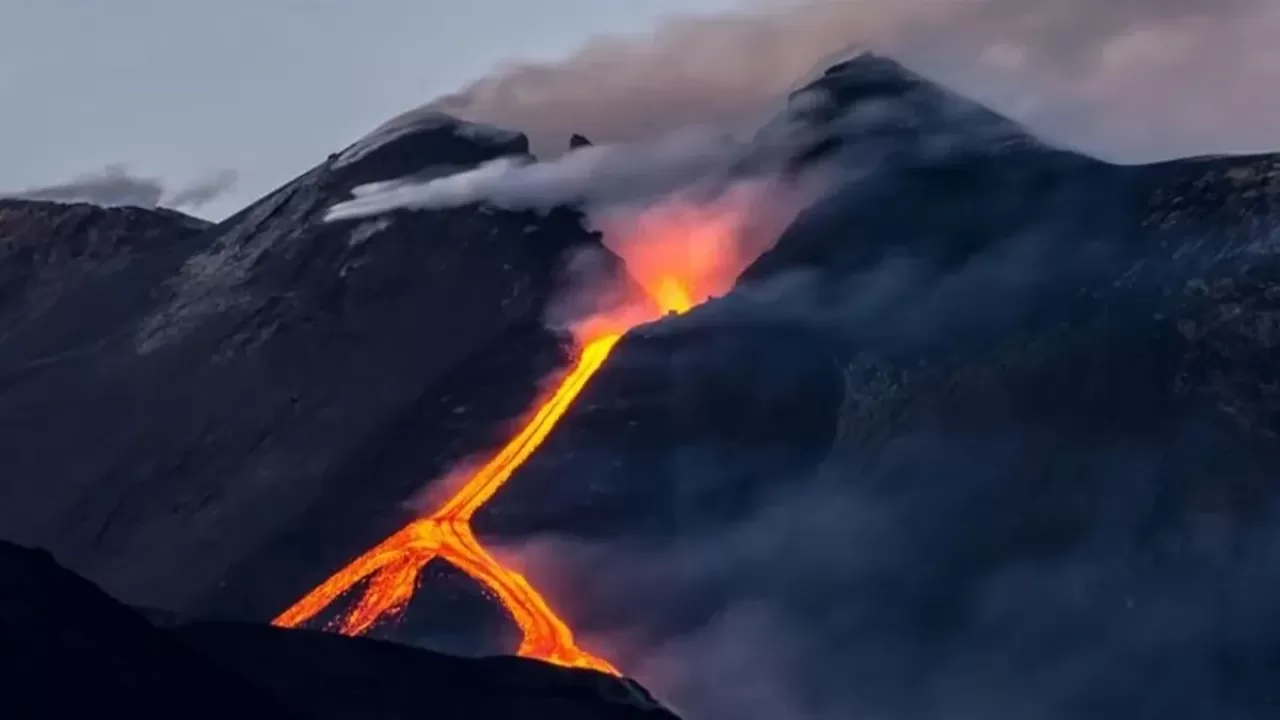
70,650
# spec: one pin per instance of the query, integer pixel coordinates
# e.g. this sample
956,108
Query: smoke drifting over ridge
596,174
1128,79
115,185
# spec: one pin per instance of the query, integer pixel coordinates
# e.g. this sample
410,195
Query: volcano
1055,378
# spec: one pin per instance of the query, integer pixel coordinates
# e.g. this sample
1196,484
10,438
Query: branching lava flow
671,277
392,566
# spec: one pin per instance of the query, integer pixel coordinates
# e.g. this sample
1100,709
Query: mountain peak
423,137
866,98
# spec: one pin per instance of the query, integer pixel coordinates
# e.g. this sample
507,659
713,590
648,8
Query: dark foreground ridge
70,650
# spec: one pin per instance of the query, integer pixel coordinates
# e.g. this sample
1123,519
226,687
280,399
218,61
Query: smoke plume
598,174
115,185
1129,79
201,192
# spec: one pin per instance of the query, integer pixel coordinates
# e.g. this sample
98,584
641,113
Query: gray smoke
1130,79
601,177
600,173
1020,535
116,185
201,192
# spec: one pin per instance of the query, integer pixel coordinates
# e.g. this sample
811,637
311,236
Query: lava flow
393,565
672,280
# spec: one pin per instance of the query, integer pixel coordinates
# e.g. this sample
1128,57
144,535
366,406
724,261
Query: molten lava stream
393,566
679,254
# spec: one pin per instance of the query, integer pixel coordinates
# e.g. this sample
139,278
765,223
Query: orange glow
687,250
679,254
393,566
670,294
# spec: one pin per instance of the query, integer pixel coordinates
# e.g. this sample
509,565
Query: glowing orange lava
692,252
393,565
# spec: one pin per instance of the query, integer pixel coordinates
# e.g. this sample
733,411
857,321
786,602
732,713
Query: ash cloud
116,185
1129,79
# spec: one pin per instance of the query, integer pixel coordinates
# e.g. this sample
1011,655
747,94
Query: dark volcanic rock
423,140
208,402
330,676
1060,394
577,141
70,650
870,109
1035,237
47,248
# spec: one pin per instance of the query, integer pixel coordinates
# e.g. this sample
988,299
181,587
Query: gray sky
179,89
152,98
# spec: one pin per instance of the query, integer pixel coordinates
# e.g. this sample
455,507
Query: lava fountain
678,253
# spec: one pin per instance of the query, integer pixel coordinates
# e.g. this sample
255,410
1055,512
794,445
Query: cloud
1130,79
203,191
116,185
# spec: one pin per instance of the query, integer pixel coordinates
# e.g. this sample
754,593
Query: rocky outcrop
70,650
47,248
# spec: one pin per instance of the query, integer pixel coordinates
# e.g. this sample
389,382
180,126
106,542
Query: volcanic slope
179,399
1061,384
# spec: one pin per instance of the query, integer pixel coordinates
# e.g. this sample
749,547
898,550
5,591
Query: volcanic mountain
1052,379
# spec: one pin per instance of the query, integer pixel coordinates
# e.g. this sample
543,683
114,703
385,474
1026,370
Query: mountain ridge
66,630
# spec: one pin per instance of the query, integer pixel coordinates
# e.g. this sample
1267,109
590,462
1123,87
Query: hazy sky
182,88
178,90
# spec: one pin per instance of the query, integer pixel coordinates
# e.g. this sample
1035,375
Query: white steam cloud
600,173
